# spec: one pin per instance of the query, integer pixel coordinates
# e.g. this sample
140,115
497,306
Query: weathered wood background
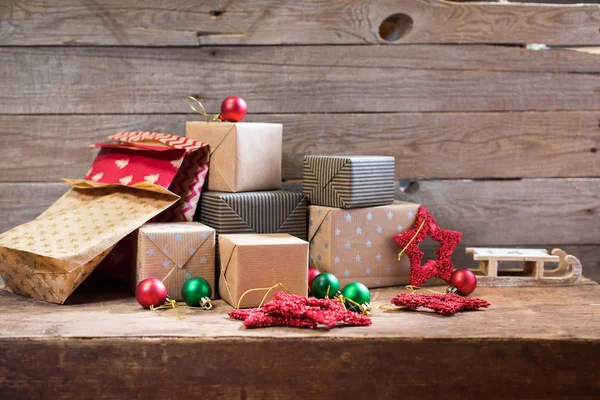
499,141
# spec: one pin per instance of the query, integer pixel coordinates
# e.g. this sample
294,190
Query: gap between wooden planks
274,22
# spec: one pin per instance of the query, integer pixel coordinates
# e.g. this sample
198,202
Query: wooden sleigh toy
533,272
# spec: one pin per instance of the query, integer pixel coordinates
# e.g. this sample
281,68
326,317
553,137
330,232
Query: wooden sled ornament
532,274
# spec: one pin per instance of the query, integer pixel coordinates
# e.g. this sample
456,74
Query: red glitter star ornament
444,304
299,312
425,225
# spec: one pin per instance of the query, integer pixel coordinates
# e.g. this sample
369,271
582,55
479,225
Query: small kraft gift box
276,211
175,252
349,181
253,261
243,156
357,244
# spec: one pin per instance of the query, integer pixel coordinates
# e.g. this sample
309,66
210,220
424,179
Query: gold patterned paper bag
175,252
49,257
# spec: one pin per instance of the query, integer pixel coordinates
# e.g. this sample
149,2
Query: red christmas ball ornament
233,109
151,292
464,280
312,274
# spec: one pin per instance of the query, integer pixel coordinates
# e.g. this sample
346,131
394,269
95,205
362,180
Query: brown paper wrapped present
243,156
252,261
50,256
357,244
174,253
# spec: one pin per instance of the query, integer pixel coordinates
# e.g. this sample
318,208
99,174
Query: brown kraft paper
243,156
174,253
252,261
357,245
49,257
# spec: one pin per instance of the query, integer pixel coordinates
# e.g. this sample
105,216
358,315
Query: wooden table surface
531,343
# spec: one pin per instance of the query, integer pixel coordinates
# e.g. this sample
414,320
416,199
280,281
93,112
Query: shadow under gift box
243,156
357,244
349,181
174,253
251,261
275,211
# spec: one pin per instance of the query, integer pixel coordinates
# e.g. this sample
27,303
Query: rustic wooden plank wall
499,141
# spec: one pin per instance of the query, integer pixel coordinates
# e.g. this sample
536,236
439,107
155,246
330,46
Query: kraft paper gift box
174,253
349,181
251,261
357,244
49,257
127,186
243,156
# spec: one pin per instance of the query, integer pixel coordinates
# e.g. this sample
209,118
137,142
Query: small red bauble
312,274
151,292
464,280
233,109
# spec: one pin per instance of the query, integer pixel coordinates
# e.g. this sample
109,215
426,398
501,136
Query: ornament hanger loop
413,238
413,289
268,289
191,100
170,303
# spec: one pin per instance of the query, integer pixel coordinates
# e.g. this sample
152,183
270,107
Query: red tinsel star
444,304
425,225
300,312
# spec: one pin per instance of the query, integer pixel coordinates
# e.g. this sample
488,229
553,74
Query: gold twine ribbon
364,308
268,289
412,239
191,100
169,304
413,289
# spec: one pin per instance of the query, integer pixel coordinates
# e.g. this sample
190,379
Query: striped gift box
349,181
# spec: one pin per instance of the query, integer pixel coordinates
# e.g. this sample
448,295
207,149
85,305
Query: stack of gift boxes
238,229
353,217
251,234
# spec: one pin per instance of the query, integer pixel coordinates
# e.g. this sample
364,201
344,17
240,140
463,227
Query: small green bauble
195,292
322,283
358,293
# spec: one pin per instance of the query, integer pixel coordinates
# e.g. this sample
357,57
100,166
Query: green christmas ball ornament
357,297
325,285
196,292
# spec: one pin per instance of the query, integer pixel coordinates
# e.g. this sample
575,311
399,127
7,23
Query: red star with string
425,225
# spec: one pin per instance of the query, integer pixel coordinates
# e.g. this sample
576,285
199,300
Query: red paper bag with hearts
176,163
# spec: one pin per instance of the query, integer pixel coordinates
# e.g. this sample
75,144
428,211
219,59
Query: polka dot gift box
357,244
174,253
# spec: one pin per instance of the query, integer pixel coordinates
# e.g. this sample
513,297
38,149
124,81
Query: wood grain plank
115,346
265,369
514,212
281,80
189,23
108,309
460,145
489,213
